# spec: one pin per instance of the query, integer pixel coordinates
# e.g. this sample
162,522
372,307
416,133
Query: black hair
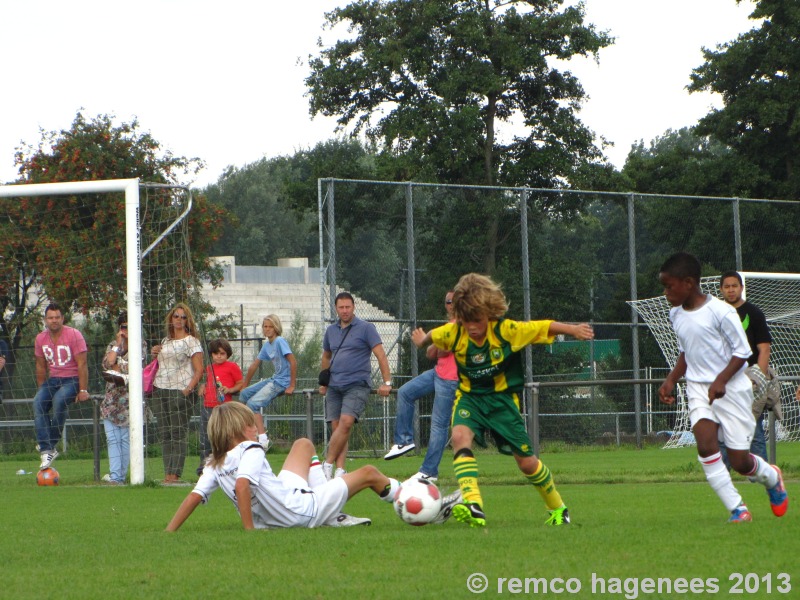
727,274
53,306
344,296
122,318
682,265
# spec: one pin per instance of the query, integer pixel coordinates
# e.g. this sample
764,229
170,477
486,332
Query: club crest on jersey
496,353
463,413
478,358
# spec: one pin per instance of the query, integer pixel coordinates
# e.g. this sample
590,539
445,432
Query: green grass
636,514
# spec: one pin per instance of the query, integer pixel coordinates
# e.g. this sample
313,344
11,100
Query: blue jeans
261,394
56,393
119,450
444,392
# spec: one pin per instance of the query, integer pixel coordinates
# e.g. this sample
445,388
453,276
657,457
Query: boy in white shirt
713,356
299,496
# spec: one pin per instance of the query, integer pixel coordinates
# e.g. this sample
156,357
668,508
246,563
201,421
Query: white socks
720,480
394,488
763,473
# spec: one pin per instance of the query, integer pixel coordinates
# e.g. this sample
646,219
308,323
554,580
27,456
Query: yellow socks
543,480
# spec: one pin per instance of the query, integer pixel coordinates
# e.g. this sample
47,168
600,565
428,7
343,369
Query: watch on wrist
87,391
389,383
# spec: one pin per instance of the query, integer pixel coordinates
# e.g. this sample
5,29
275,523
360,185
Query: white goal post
134,291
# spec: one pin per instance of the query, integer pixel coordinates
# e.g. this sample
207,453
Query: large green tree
466,92
757,76
71,248
433,81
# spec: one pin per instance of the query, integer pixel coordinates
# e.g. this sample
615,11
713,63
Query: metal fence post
637,392
309,396
96,433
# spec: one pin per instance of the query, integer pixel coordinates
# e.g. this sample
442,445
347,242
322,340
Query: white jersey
709,336
274,504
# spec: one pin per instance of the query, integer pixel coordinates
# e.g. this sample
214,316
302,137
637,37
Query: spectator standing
351,342
758,336
114,407
180,368
442,382
223,379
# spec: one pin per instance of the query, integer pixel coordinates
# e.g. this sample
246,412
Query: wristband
115,349
87,391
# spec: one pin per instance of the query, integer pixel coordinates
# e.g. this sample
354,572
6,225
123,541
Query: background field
636,514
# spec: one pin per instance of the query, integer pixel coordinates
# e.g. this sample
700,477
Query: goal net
778,296
95,248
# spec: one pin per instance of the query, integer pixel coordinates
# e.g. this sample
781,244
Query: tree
757,77
265,227
36,240
432,83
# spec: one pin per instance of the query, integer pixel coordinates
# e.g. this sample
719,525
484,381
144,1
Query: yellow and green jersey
496,365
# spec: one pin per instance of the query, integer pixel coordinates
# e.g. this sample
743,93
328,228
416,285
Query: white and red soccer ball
419,501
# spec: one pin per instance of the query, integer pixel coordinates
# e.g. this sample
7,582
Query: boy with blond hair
487,349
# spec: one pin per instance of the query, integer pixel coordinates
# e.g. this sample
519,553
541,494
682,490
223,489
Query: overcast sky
223,81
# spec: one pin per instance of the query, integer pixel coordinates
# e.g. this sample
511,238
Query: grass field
636,514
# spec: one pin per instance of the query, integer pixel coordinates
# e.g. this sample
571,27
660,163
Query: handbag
324,377
149,375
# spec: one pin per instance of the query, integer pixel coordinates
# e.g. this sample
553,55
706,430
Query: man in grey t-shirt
350,342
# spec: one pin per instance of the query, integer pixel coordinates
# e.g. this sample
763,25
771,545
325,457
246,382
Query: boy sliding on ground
486,347
299,496
713,357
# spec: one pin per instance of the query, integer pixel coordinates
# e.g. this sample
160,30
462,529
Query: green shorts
497,413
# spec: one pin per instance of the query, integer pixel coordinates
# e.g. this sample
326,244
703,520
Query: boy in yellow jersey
491,376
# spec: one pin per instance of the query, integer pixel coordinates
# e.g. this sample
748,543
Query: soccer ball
48,476
418,502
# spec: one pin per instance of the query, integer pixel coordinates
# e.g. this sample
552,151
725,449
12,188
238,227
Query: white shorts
733,412
330,497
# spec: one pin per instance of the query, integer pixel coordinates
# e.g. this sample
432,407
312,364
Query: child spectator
223,378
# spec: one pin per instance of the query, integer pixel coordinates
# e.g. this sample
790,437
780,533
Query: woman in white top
180,367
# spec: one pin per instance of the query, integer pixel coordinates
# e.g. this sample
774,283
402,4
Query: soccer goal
778,296
96,248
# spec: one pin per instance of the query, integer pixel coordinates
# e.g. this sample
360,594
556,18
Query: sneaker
559,516
448,502
327,470
107,479
398,450
48,456
421,475
778,498
345,520
740,515
469,513
339,472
